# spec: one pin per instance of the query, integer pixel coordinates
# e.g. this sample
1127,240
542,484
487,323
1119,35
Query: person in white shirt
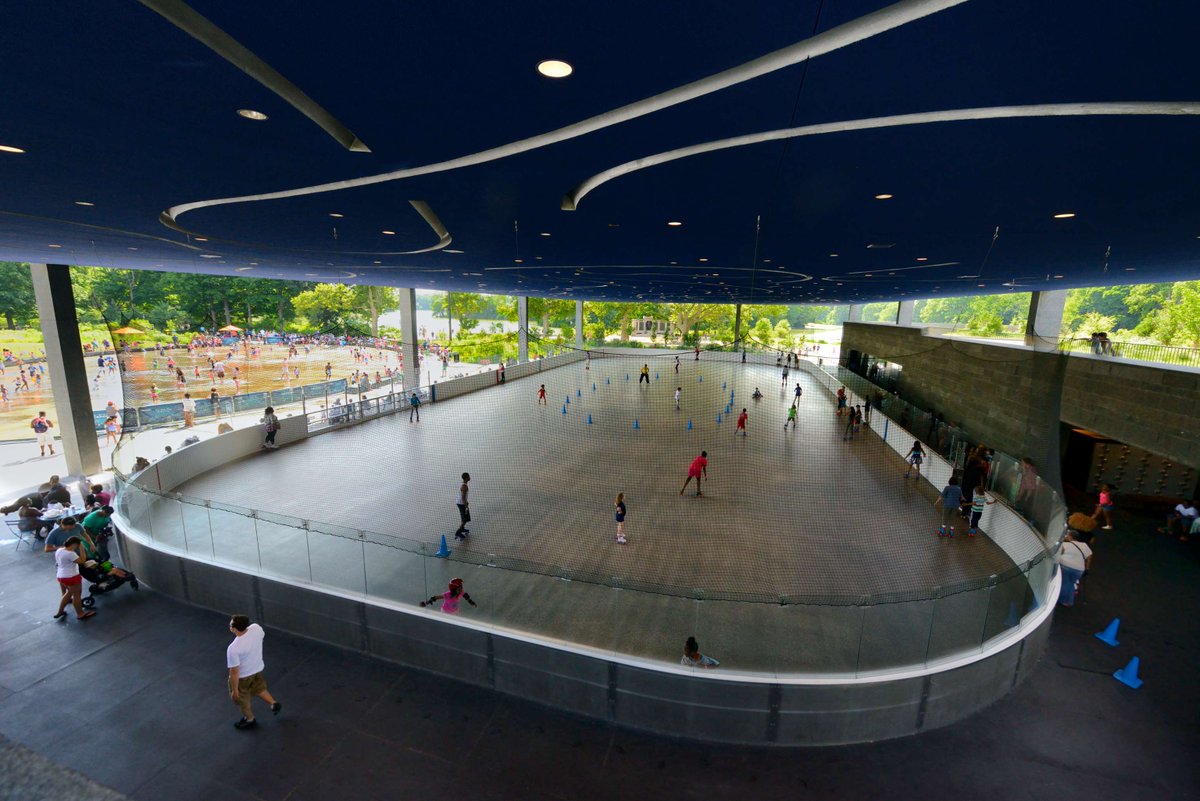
244,658
1182,518
67,560
189,410
1074,557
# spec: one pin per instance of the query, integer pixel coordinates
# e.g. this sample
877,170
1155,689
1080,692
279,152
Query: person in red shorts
697,470
741,423
542,395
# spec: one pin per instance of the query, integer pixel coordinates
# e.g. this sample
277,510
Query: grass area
29,341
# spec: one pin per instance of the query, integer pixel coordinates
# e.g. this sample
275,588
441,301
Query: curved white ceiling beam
1185,108
877,22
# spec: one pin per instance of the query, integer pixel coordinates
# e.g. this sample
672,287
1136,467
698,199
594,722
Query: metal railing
1163,354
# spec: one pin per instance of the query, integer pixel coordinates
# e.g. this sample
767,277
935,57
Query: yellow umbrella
229,328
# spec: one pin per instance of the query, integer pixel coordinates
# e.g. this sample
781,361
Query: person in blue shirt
61,533
950,499
414,407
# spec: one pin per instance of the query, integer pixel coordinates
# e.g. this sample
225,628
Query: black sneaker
275,707
245,724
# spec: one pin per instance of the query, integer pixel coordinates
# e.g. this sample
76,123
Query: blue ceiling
118,106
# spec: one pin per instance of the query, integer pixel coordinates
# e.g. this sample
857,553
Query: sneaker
971,532
276,707
1107,528
245,724
942,531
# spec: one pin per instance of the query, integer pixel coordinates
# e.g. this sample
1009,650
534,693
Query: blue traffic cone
1109,635
564,408
627,376
589,419
607,381
635,425
579,393
593,387
1128,674
444,550
656,376
718,418
689,424
1014,618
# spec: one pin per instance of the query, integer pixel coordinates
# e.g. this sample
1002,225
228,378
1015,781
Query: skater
501,371
791,418
757,394
916,455
785,375
414,406
464,509
41,426
451,597
619,503
645,376
678,396
741,423
841,401
1104,507
693,658
797,393
979,502
541,396
697,353
676,365
950,499
271,426
697,469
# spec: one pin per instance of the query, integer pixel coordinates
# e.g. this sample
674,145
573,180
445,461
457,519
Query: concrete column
409,350
904,312
73,418
522,329
579,324
855,313
1044,325
737,327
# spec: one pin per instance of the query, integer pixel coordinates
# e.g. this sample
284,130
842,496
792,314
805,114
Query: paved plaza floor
134,699
804,552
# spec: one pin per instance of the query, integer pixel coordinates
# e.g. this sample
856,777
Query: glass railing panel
895,634
165,521
959,614
234,540
282,547
197,528
395,569
337,556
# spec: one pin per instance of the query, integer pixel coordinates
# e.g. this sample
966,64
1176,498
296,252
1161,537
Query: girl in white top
271,424
67,560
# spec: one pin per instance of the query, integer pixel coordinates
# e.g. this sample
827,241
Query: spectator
1074,558
1180,520
56,493
67,561
60,534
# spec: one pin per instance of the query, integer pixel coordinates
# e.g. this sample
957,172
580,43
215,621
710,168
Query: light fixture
251,114
1058,276
553,68
518,261
674,223
703,259
884,196
833,255
210,255
453,251
201,239
1130,269
335,214
10,149
54,246
618,225
84,203
131,248
922,258
1066,215
545,233
388,233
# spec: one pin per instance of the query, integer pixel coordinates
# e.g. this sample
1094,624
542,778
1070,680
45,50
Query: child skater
620,517
915,456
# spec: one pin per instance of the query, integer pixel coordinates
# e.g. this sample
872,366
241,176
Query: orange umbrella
128,330
229,328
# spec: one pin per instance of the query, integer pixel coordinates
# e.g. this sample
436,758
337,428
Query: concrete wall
1012,398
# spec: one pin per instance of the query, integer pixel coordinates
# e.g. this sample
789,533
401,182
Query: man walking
464,509
414,407
41,426
244,658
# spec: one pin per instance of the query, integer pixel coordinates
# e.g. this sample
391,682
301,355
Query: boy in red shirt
698,468
542,395
741,423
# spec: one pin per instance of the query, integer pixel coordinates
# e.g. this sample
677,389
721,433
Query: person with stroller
98,523
67,561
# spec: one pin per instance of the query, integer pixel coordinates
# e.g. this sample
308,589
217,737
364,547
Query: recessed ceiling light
703,259
253,264
84,203
833,255
981,284
251,114
539,258
1130,269
210,255
545,233
1058,276
922,258
335,214
388,233
201,239
1066,215
518,261
552,68
618,225
674,223
54,246
131,248
453,251
10,149
884,196
866,275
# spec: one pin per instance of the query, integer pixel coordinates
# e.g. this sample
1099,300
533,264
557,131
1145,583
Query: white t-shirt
246,652
189,404
64,561
1186,511
1074,554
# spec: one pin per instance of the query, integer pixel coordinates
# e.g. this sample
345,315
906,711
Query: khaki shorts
248,687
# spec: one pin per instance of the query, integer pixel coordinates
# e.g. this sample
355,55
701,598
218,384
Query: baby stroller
104,576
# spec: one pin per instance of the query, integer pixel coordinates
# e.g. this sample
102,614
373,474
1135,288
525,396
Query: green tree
328,306
16,294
